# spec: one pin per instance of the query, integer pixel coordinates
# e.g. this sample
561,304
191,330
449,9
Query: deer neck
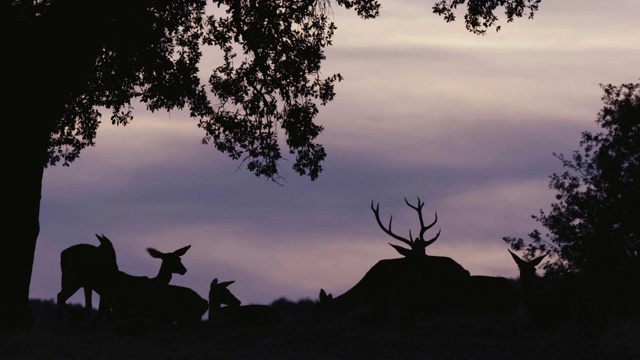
164,275
216,311
348,301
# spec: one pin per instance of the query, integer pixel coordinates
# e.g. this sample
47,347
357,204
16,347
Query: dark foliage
149,51
593,229
596,216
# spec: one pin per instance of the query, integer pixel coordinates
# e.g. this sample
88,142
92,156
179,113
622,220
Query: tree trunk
25,134
33,100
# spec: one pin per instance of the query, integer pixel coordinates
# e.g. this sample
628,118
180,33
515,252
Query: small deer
95,268
234,314
416,283
548,302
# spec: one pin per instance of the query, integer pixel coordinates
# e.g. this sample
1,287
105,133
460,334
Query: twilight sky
466,123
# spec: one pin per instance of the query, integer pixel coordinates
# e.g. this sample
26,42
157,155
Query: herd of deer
414,284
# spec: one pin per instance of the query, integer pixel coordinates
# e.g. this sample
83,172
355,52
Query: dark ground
445,337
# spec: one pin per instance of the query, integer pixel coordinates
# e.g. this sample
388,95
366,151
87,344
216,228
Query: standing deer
89,267
416,283
234,314
548,302
95,268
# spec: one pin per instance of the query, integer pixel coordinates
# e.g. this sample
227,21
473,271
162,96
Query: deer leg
63,296
88,302
104,309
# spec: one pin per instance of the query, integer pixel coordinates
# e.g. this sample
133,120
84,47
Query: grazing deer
416,283
95,268
548,302
234,314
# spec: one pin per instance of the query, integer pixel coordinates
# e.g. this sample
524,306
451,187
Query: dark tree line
64,59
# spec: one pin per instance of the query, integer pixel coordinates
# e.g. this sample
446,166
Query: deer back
492,294
161,303
424,284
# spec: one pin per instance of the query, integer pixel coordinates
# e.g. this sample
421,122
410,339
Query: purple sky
426,109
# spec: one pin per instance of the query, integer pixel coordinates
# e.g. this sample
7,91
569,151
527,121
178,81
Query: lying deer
94,268
416,283
157,304
234,314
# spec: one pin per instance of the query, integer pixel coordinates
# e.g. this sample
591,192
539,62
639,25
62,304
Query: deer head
220,295
416,245
527,268
171,262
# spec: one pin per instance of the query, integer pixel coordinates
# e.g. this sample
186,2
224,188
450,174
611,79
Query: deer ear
404,252
214,282
538,260
226,283
154,253
517,259
182,251
324,297
104,241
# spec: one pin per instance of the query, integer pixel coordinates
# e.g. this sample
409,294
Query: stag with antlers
416,283
418,245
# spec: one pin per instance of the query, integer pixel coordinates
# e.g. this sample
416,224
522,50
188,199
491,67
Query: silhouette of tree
65,59
593,229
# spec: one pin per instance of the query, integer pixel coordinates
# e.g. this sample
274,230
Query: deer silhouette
416,283
548,302
94,268
156,304
234,314
89,267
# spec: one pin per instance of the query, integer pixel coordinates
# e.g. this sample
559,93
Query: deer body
492,294
548,302
159,304
425,284
234,314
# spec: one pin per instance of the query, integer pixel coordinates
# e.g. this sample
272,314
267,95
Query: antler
423,228
417,245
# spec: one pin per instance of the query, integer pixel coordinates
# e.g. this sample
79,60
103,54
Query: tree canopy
595,221
149,51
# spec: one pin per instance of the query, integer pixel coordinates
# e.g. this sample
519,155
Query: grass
442,337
